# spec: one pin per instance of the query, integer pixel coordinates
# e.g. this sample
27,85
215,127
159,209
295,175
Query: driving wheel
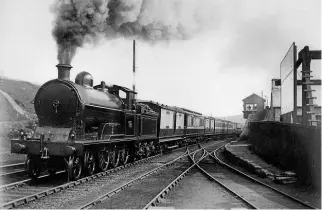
74,168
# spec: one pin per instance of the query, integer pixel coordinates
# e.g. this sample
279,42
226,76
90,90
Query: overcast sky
235,54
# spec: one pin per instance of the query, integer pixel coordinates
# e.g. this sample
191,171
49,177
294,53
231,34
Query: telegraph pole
133,65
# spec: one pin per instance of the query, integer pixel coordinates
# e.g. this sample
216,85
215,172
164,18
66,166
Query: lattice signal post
305,57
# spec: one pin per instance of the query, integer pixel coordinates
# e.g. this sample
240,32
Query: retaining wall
292,147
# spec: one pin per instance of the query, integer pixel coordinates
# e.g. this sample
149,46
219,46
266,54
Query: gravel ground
82,194
141,193
32,187
11,178
7,158
301,192
196,191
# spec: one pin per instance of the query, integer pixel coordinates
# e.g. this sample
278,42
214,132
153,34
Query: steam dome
84,78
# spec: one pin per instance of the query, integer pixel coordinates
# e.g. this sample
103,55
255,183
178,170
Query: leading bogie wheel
74,168
32,169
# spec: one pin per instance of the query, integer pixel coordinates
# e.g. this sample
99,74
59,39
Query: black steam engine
85,128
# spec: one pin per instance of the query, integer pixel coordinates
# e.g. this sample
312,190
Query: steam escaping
86,21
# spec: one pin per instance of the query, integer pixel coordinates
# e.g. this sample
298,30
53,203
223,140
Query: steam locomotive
85,128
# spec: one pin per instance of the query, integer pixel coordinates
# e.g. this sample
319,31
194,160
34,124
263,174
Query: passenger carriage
171,123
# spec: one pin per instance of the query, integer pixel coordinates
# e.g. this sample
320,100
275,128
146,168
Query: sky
234,53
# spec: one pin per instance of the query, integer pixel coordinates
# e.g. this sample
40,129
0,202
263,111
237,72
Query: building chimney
64,71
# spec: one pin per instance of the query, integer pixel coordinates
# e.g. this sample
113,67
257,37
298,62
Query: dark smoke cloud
87,21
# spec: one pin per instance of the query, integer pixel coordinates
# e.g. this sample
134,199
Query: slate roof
249,98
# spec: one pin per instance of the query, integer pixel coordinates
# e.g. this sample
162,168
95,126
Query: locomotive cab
128,96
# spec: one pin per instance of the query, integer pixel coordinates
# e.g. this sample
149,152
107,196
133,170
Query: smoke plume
86,21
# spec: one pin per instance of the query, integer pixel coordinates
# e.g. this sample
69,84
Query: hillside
21,92
16,111
235,118
8,112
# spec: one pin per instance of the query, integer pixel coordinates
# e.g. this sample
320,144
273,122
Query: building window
249,107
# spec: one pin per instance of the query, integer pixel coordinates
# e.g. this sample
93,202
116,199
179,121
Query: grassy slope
22,92
7,112
11,121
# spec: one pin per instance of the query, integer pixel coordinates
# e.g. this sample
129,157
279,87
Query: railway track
212,178
9,173
21,179
140,189
192,156
12,173
12,168
254,193
152,188
25,193
127,188
124,192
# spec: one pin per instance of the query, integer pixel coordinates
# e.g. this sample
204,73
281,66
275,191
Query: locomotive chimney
64,71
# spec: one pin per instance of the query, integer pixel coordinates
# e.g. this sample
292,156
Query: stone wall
292,147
